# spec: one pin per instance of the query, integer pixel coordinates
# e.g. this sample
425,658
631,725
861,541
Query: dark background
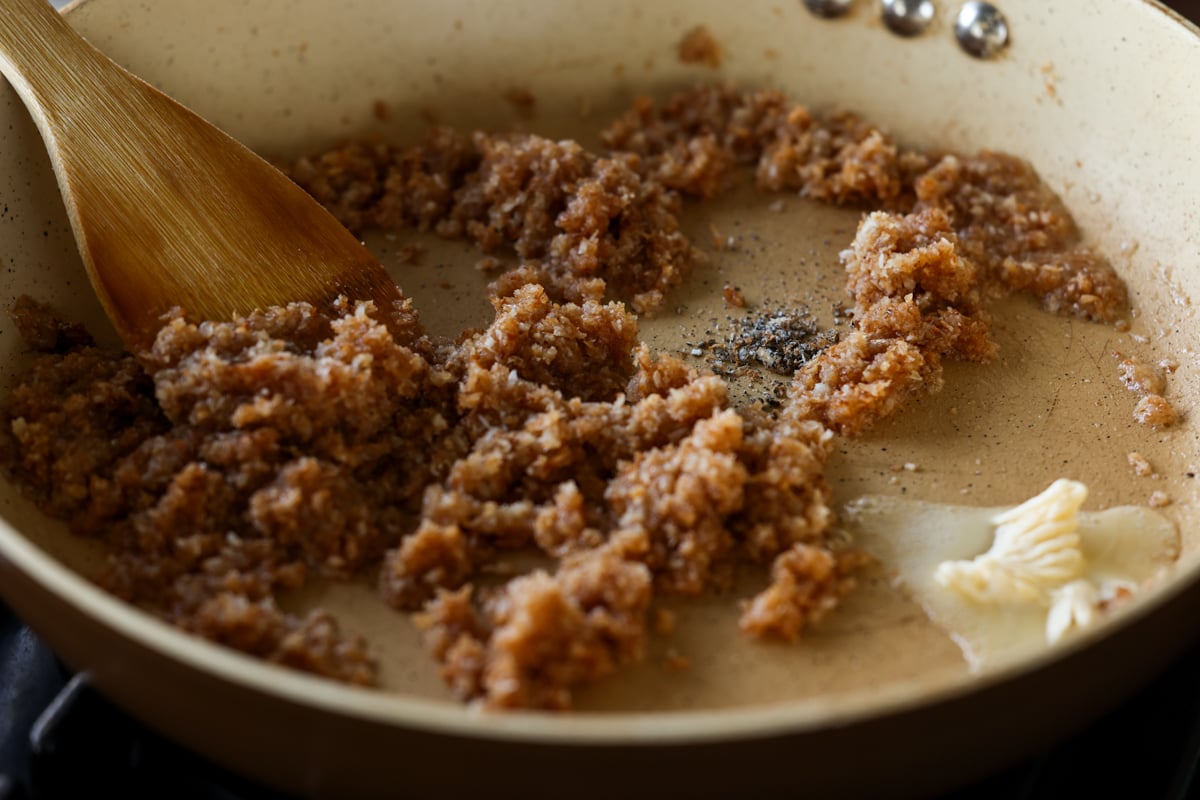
1189,7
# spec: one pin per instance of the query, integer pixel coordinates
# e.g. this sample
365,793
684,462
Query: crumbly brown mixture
1156,411
523,101
1149,384
916,302
699,46
542,634
694,141
1140,378
251,454
582,224
1008,223
674,661
1159,500
1140,464
806,583
234,459
1021,235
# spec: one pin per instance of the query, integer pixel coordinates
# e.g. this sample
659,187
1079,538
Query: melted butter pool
912,537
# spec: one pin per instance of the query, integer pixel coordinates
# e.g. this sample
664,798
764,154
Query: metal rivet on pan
907,17
981,29
829,8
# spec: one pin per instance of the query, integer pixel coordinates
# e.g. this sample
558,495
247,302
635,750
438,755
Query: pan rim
611,728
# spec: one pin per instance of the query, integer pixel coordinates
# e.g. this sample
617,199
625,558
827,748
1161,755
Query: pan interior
1051,405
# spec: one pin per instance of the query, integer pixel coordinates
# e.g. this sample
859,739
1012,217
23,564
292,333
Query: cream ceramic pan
1102,98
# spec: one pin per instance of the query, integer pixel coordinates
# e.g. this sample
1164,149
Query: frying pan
1102,98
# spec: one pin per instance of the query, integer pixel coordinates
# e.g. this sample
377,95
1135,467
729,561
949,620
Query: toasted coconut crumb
522,100
1140,464
699,46
806,583
1140,378
1156,411
676,662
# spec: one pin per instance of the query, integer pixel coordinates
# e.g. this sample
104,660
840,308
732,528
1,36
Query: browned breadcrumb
581,350
409,254
522,100
1010,224
1140,464
695,139
733,296
916,254
542,634
432,557
806,583
238,458
1156,411
103,399
699,46
917,301
570,473
312,643
1149,384
720,242
43,332
454,633
553,632
1140,378
581,223
980,226
676,662
1121,594
786,497
1021,235
671,504
287,443
370,184
841,159
1159,499
259,450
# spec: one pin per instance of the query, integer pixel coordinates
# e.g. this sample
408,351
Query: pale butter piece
1122,550
1035,551
1072,606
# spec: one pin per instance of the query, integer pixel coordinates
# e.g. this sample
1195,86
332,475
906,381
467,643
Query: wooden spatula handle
167,209
47,62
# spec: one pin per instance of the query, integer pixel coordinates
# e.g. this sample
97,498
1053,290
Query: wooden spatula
167,210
